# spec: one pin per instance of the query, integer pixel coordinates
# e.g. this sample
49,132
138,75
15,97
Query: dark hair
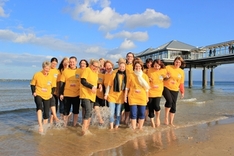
148,60
108,61
54,59
73,57
131,53
87,64
60,68
159,62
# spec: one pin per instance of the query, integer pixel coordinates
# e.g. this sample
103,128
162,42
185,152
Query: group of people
132,91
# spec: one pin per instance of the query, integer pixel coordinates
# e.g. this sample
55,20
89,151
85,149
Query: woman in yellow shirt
88,89
156,75
136,93
172,86
62,66
115,93
108,72
129,69
54,71
43,87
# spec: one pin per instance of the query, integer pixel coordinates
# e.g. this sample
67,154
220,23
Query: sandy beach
212,139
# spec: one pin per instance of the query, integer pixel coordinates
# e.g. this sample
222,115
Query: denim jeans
137,111
115,110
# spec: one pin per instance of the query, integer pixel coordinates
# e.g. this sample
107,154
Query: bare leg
54,116
116,126
133,122
172,115
166,115
97,110
141,123
39,119
85,126
61,116
122,116
65,117
75,119
146,114
111,125
127,114
157,119
152,122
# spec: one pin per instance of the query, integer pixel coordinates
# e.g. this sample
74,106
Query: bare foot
172,125
101,122
83,133
40,129
166,121
157,122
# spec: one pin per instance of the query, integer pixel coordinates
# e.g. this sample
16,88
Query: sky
33,31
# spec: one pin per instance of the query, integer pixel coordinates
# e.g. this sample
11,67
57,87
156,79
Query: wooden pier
206,57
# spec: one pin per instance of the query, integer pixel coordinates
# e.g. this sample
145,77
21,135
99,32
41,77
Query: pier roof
172,45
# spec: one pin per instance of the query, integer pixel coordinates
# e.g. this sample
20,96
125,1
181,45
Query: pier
206,57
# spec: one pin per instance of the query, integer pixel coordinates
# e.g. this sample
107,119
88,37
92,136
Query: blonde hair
45,64
92,61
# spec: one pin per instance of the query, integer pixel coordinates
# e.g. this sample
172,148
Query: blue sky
32,31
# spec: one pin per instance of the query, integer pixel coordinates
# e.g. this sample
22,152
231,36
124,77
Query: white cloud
136,36
127,44
49,42
108,19
149,18
2,11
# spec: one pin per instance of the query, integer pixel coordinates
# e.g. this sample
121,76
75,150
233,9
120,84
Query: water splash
104,113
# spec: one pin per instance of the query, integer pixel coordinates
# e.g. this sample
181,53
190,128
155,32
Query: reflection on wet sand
145,145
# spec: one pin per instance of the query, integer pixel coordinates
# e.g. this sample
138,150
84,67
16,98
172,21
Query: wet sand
214,138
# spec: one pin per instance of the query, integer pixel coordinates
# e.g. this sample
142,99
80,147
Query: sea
201,107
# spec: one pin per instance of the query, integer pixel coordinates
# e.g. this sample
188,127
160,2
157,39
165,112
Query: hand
100,87
34,94
105,97
61,97
125,99
150,79
94,89
168,75
182,95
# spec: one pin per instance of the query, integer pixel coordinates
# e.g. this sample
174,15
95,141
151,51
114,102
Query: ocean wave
16,110
189,100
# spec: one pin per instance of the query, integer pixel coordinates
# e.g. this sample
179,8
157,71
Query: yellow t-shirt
54,72
137,94
72,82
92,78
146,71
176,78
100,94
107,78
156,81
116,97
129,68
43,84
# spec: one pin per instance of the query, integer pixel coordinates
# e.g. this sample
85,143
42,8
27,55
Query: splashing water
58,125
104,114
